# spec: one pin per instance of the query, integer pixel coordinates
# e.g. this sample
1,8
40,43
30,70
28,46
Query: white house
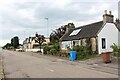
119,9
118,20
118,26
102,35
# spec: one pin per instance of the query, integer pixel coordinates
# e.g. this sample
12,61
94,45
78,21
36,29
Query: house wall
65,44
119,18
83,41
119,38
93,41
47,40
32,43
110,33
119,9
28,46
25,45
77,42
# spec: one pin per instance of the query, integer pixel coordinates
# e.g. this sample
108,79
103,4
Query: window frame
103,43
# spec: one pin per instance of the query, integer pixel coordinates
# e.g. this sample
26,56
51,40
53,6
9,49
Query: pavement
34,65
1,67
98,64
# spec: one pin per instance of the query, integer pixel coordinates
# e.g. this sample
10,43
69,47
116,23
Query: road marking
51,70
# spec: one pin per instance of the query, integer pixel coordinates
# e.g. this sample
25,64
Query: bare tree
58,33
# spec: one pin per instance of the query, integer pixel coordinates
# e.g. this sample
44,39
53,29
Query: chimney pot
110,12
105,11
117,20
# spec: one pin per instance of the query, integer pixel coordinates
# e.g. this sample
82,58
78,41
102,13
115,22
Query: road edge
2,76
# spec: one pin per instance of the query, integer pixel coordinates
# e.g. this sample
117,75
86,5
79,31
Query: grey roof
118,26
89,30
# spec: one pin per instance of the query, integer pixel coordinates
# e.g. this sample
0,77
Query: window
76,42
73,43
75,32
103,43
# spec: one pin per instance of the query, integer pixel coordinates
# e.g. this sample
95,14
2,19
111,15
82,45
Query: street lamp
47,27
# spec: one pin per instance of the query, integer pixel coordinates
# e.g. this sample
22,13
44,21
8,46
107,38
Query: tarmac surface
33,65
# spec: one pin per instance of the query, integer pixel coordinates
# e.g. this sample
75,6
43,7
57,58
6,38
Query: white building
119,9
102,35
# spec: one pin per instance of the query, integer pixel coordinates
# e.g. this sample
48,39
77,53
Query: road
18,65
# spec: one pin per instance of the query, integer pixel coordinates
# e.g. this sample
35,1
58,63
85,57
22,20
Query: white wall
119,9
69,44
34,50
119,39
110,32
119,18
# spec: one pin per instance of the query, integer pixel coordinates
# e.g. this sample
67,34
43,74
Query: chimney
36,35
117,20
117,23
67,30
108,17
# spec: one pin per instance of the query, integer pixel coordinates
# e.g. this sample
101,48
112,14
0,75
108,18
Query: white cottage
118,26
102,34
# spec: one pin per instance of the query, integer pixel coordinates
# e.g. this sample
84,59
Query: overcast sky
25,17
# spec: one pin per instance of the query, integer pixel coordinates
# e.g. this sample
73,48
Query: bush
53,51
83,52
116,49
46,49
52,48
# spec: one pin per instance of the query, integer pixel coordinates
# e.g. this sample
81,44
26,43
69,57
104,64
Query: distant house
30,44
102,35
47,40
25,43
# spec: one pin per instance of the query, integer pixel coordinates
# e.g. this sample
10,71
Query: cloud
25,17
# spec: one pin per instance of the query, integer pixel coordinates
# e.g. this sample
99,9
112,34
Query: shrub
83,52
53,51
46,49
52,48
116,49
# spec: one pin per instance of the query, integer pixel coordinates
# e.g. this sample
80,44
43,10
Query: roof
89,30
118,26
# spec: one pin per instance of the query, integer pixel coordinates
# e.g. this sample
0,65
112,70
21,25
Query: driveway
18,65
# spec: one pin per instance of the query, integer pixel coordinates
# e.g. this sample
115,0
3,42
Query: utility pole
47,27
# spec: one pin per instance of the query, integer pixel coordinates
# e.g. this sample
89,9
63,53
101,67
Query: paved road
18,65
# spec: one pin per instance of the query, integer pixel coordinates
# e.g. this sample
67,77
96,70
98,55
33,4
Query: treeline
14,43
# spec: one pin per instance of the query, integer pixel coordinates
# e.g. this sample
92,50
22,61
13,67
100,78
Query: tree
71,25
40,39
58,33
15,42
7,46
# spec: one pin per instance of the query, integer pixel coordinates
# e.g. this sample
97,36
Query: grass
86,57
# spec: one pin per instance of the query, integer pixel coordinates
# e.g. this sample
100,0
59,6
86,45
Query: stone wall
93,42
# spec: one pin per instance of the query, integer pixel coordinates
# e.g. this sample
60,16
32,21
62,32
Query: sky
23,18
